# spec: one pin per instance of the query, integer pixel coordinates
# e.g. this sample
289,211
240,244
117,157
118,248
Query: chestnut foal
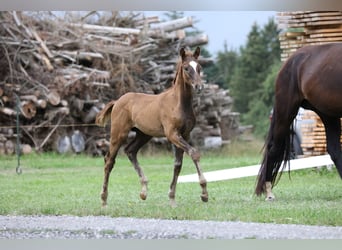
168,114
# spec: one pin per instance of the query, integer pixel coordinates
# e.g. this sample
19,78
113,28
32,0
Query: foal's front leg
180,142
177,168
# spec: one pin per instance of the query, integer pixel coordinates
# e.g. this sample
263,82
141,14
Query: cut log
5,99
28,109
172,25
9,147
26,149
91,115
105,29
41,103
7,111
53,98
197,40
80,55
32,98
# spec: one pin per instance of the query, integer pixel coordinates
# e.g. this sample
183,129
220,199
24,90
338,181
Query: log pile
302,28
63,71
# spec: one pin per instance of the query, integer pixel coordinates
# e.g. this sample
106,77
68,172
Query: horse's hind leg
131,150
116,140
109,164
177,168
333,133
277,148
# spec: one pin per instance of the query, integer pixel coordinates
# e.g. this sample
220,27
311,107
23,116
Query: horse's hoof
270,198
143,196
104,202
204,198
173,203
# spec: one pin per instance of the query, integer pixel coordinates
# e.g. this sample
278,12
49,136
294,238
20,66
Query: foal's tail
104,115
275,157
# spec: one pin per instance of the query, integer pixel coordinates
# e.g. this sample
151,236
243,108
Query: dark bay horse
311,78
169,114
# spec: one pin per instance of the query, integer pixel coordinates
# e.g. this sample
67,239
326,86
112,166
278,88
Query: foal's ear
197,52
182,53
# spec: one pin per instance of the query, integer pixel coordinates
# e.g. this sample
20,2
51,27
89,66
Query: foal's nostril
198,88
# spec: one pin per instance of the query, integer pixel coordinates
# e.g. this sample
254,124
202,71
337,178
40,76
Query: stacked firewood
57,73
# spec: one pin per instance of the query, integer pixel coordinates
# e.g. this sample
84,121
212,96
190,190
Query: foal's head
190,68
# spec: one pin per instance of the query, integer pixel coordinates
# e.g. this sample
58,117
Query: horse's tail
104,115
274,158
277,148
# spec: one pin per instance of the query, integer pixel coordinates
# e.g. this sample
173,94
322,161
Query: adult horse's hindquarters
311,78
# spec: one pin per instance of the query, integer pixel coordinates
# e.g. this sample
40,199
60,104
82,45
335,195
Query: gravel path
97,227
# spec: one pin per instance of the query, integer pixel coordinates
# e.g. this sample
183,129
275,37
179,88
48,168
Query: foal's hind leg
177,168
109,164
131,150
180,142
116,140
333,133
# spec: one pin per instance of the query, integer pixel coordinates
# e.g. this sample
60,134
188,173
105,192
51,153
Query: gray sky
232,26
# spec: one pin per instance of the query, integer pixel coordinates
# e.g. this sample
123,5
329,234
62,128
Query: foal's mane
178,68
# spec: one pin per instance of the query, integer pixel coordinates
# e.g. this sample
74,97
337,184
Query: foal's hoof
143,196
104,204
104,199
204,198
173,203
270,198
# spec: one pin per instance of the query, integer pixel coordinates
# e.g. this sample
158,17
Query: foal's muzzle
197,87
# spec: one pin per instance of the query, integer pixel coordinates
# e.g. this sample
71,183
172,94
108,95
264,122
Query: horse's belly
150,127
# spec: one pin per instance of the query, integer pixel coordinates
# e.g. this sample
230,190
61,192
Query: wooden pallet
313,135
302,28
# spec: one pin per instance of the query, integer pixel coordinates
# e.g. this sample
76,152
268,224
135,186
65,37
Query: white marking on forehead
193,64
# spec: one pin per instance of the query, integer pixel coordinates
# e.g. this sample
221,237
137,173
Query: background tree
172,15
260,108
254,65
250,70
222,70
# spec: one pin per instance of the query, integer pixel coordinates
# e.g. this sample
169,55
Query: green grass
70,184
